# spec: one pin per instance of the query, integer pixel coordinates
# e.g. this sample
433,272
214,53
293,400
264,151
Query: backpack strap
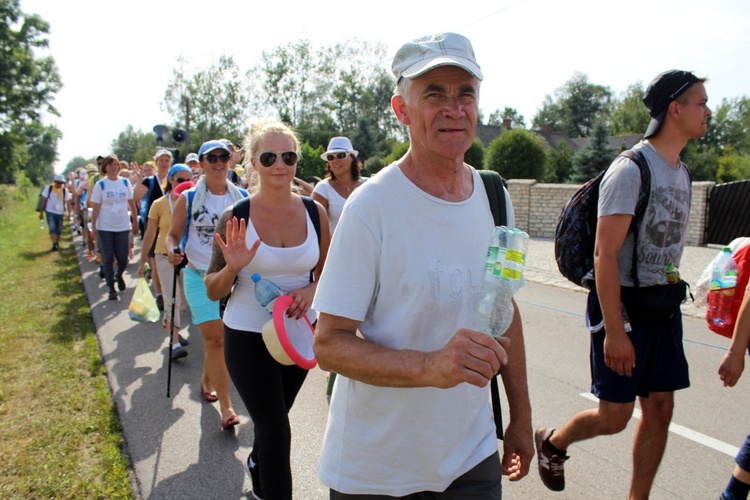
189,194
493,184
312,211
640,207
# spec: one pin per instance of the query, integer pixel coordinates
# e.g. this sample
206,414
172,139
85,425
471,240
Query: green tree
594,158
41,152
560,164
311,164
517,154
732,166
212,103
703,160
730,126
515,118
474,156
28,84
78,162
629,114
337,90
135,145
576,107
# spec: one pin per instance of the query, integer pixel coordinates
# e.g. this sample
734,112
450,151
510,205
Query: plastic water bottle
721,290
266,292
503,271
41,223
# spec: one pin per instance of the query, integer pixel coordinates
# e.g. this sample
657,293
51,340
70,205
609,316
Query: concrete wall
537,207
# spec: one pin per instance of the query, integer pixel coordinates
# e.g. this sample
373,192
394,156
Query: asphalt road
178,450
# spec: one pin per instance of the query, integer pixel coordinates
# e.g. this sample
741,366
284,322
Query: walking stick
170,327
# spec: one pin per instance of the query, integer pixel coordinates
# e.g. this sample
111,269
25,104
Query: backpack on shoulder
39,199
575,233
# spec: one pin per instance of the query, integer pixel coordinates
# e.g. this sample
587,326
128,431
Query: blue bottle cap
255,277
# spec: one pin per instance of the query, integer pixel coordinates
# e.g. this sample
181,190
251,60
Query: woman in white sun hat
342,178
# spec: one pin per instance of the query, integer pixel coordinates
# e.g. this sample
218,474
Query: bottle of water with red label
721,290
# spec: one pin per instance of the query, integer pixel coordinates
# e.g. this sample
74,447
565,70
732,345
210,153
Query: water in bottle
721,290
503,270
266,292
41,223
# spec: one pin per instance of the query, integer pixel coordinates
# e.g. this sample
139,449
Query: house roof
487,133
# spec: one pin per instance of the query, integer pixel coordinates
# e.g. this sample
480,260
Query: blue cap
178,167
209,146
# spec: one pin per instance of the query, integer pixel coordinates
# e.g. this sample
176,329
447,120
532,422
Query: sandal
230,422
209,397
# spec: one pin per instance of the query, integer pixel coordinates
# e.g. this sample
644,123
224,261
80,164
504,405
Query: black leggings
268,390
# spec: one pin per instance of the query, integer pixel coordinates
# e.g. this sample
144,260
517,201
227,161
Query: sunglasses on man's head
214,158
268,159
340,156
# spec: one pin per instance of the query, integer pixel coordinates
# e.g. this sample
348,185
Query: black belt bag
653,304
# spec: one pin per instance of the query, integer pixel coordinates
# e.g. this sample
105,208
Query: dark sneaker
121,284
160,302
112,295
179,352
55,247
183,340
550,465
251,468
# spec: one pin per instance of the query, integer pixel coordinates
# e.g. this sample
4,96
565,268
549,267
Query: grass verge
59,433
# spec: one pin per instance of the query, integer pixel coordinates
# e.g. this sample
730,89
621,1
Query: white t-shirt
202,227
289,268
335,201
55,202
113,198
409,266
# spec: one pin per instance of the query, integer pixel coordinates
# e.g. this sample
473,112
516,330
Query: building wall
537,207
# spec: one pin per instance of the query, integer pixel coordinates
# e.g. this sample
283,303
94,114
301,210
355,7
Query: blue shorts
660,362
202,310
55,223
743,457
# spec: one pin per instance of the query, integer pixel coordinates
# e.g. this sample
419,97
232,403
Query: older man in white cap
410,414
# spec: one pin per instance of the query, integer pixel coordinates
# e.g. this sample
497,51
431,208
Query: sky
116,58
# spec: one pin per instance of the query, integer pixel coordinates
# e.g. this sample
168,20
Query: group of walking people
390,281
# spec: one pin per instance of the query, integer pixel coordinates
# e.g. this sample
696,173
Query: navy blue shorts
743,457
660,363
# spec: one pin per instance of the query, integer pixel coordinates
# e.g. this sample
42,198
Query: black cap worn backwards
662,90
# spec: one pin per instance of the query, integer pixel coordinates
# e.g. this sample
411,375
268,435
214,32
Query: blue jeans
113,246
55,222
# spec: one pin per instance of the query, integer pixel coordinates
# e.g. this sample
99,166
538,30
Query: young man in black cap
635,354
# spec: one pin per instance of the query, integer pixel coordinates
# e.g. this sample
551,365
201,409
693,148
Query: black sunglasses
179,180
214,158
340,156
268,159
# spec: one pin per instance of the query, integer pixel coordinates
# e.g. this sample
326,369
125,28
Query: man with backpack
410,413
633,307
54,199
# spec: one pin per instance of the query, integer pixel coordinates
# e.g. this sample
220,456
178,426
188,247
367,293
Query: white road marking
685,432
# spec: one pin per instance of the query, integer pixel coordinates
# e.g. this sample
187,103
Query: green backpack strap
495,188
493,184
